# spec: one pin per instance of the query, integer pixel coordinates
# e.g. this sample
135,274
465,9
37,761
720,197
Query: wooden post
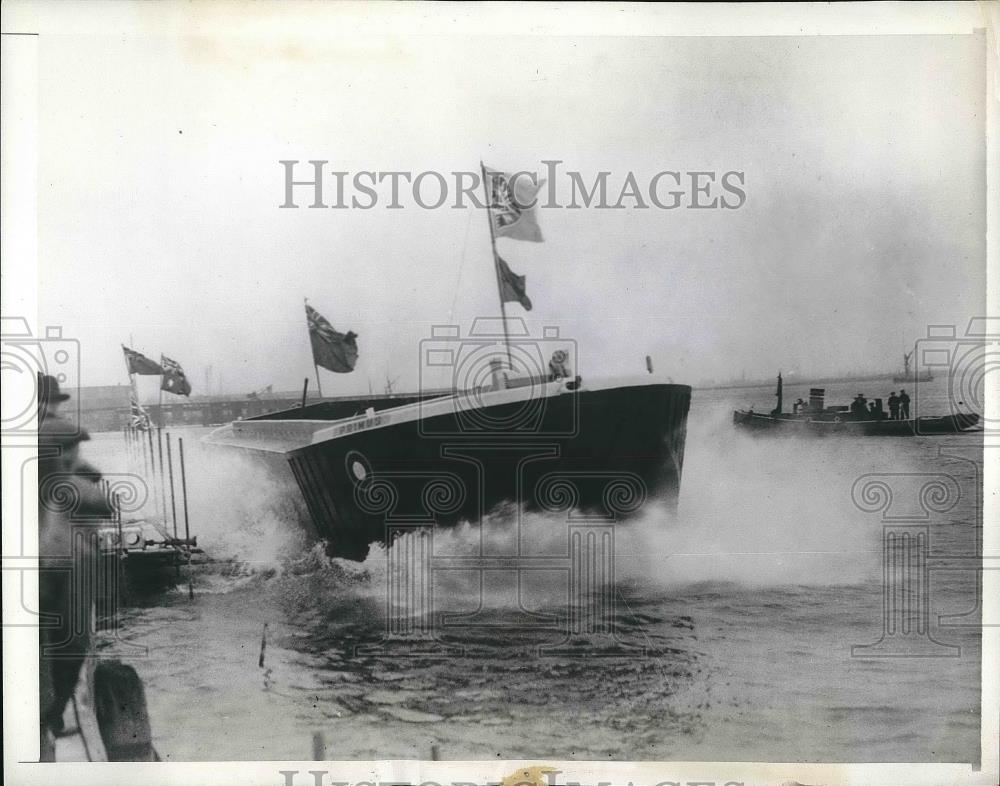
319,746
163,489
151,477
184,496
173,498
305,390
263,646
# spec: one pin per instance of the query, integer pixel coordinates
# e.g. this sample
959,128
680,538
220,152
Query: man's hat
48,389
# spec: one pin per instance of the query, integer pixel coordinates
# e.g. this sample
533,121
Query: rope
461,264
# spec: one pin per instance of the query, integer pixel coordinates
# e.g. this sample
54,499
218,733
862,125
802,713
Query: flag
174,380
513,209
140,364
512,288
331,350
139,418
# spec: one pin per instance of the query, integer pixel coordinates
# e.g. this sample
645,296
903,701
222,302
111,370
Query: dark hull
806,426
604,451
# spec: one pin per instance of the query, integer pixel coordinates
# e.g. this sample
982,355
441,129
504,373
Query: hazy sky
159,186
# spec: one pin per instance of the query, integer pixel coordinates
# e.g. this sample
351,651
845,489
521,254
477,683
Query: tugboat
859,419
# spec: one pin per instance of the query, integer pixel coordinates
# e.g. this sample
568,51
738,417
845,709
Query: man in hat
49,397
68,501
893,406
904,405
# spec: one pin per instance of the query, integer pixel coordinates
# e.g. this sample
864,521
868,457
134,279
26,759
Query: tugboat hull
830,426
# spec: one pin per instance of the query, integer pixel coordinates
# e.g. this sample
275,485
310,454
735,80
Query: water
735,621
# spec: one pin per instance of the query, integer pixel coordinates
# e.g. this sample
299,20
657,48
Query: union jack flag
174,379
139,418
512,205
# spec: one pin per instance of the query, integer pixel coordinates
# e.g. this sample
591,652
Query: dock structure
111,411
144,540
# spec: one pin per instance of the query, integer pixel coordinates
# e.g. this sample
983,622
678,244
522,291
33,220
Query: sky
863,161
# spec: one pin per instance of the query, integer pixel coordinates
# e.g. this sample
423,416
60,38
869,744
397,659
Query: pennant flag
512,286
513,208
174,379
139,418
140,364
331,350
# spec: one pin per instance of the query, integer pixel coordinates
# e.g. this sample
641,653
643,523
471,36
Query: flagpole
160,405
131,380
319,384
496,266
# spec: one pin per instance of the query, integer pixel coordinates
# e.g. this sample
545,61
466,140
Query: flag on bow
174,379
140,364
512,205
332,350
138,417
512,286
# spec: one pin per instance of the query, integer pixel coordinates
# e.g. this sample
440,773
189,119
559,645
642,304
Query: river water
735,620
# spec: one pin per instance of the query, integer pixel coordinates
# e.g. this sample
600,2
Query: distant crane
262,392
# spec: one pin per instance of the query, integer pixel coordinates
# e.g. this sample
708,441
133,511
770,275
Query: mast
777,409
319,384
496,265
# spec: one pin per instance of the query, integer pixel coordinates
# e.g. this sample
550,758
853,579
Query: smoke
760,511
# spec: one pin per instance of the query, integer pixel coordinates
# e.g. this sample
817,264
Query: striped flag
332,350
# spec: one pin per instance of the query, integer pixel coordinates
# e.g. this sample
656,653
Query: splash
241,511
756,512
761,512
